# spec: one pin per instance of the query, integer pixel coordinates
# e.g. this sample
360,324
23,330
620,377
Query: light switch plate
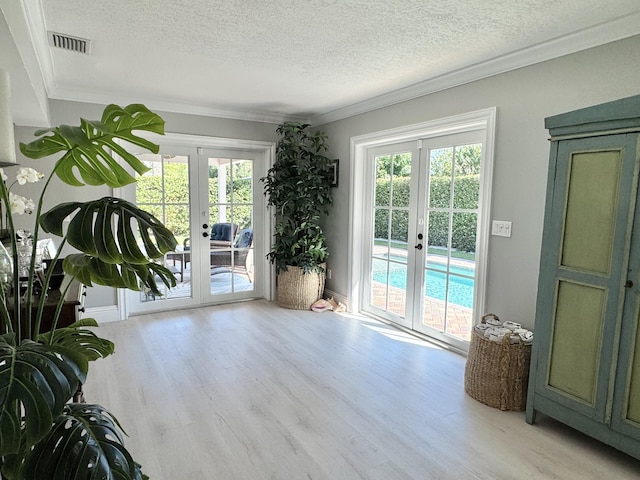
501,228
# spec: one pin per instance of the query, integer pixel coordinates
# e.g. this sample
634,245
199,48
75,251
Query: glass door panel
391,259
452,223
229,249
164,192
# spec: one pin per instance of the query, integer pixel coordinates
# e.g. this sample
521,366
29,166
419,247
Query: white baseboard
103,314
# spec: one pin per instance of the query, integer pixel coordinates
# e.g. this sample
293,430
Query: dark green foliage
86,147
299,187
38,379
84,442
464,224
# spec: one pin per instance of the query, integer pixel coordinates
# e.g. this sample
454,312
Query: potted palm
298,186
43,435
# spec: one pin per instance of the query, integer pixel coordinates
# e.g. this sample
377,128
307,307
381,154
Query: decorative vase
6,269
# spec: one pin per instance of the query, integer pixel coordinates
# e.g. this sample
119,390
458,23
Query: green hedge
464,224
176,199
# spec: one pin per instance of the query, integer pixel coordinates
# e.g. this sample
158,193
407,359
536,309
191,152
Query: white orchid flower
29,206
3,175
18,204
28,175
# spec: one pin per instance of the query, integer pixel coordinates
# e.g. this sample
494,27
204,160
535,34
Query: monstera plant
43,434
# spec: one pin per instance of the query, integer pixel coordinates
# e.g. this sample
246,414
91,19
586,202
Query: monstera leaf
81,340
89,270
91,230
87,147
85,442
36,381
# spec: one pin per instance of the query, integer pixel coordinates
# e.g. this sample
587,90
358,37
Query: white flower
19,204
3,175
29,206
28,174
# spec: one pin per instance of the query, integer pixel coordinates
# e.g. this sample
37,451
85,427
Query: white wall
523,99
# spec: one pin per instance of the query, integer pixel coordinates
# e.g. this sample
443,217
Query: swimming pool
460,285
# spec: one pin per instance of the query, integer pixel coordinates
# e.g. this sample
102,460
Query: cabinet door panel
590,214
626,404
577,337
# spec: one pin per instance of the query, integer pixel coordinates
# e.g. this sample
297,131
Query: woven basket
497,373
298,290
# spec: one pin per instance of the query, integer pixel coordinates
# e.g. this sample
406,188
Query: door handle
419,246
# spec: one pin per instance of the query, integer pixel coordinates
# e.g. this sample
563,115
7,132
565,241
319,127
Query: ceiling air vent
67,42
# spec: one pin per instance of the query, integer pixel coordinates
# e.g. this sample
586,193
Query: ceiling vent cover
67,42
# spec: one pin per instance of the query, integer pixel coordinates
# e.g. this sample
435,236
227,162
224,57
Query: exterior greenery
169,201
394,171
464,224
298,185
42,435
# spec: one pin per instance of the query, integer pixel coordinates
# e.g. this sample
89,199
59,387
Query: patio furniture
221,236
235,257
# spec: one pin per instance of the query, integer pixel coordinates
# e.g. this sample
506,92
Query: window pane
463,238
383,181
242,181
381,234
467,177
379,288
440,177
400,227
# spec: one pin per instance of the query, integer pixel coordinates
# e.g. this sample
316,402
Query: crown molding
601,34
164,105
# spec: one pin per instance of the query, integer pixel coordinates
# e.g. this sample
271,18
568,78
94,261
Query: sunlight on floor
389,331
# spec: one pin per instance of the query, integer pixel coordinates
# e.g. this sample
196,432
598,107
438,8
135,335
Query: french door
208,197
424,204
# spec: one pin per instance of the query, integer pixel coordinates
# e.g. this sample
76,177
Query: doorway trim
480,119
267,152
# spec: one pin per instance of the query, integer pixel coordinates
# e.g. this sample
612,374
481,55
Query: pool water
460,287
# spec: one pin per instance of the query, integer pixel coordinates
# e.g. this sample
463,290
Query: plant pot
298,290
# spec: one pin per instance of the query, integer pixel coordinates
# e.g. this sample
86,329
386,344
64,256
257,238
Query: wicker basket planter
298,290
497,373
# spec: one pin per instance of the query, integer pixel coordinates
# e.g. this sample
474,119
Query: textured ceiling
272,59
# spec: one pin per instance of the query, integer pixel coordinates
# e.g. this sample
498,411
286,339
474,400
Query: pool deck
459,319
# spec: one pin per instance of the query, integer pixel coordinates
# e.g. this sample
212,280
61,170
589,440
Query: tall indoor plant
42,435
298,186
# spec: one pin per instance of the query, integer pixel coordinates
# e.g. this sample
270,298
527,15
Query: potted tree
42,434
298,186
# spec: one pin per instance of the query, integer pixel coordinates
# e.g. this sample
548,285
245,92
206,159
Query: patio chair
239,250
222,235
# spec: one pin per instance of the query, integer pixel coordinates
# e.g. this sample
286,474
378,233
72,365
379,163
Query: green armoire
585,364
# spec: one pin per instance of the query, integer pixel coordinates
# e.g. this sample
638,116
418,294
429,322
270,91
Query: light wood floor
252,391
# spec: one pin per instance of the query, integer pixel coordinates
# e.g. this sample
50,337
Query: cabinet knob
628,284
